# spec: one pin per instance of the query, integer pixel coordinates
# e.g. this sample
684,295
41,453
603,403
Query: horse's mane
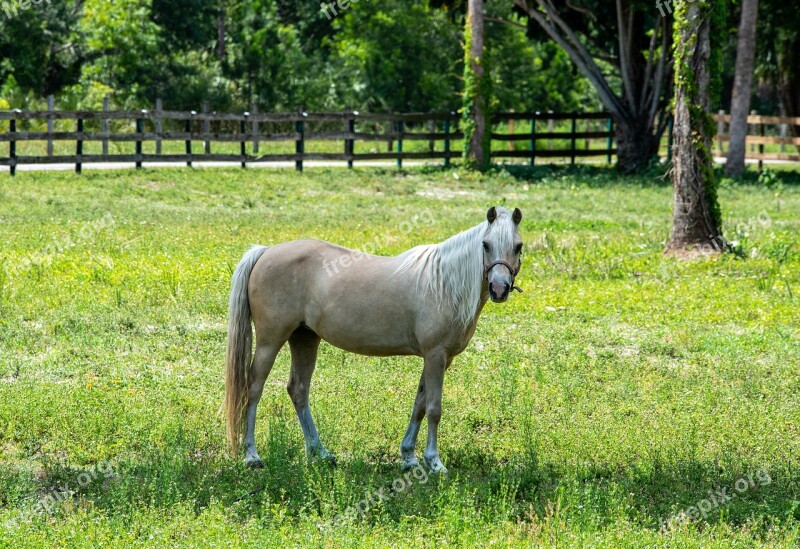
452,271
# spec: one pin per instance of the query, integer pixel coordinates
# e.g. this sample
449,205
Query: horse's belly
366,335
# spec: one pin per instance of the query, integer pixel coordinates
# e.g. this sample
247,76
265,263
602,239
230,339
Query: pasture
624,399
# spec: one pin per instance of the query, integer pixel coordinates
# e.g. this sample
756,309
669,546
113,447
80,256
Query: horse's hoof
409,463
325,457
435,466
254,463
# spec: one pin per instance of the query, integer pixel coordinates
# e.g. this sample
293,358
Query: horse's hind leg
304,344
410,439
263,360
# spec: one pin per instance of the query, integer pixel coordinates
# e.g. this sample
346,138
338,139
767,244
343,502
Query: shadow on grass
649,493
603,175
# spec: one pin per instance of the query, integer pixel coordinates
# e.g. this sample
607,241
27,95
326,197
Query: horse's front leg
409,443
433,374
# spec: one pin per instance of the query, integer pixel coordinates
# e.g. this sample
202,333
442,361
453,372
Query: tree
641,38
477,91
740,102
41,50
696,218
778,46
531,75
398,55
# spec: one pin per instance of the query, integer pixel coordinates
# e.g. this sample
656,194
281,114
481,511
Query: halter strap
514,272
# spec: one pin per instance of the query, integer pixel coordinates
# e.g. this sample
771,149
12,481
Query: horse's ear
516,216
491,215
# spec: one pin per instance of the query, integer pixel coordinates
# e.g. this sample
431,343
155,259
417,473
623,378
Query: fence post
400,130
159,124
720,131
749,129
51,106
587,143
431,129
784,134
390,130
188,128
550,130
610,140
254,110
206,129
512,145
533,139
12,147
139,132
447,140
243,144
299,146
106,126
350,128
79,147
574,141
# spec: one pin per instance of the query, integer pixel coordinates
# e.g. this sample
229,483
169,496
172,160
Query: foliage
280,54
39,50
531,75
398,55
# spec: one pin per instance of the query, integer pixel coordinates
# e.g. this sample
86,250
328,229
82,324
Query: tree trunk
221,31
742,84
637,144
789,80
695,217
475,90
644,65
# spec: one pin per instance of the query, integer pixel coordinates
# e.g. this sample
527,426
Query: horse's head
502,252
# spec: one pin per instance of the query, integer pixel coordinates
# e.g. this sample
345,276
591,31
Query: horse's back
353,300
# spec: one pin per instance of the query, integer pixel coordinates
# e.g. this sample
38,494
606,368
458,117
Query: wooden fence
159,136
763,131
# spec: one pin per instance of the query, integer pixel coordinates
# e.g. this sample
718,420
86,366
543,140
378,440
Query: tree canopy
278,54
403,55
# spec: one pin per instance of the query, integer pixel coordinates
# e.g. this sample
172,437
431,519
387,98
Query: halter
514,272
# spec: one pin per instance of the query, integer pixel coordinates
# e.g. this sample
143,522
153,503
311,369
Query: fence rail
34,136
159,136
769,130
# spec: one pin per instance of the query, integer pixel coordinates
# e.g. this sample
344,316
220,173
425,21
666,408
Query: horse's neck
479,309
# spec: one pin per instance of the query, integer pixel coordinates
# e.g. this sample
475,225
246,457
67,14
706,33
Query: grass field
624,400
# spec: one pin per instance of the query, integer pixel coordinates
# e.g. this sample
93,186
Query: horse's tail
240,343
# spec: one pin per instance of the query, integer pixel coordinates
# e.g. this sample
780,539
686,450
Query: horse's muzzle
499,291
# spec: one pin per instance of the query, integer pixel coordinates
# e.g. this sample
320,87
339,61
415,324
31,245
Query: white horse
424,302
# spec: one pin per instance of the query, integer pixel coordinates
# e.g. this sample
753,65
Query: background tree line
279,54
406,55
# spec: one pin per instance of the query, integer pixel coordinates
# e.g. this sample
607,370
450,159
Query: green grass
619,389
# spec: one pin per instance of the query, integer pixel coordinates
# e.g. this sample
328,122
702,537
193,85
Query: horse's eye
485,246
518,249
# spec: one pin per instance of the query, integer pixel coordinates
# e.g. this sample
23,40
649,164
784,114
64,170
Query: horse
424,302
